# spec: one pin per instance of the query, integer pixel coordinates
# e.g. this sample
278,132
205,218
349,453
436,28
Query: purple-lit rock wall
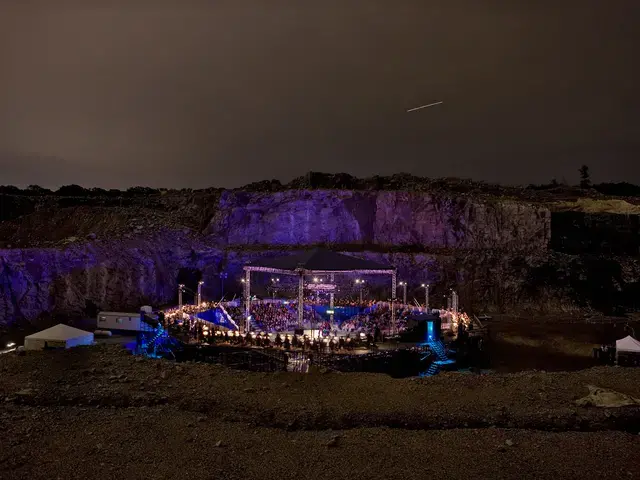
36,283
377,218
486,280
112,275
494,252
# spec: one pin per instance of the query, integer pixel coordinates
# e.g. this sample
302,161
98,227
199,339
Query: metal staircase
436,347
432,370
426,355
253,324
155,341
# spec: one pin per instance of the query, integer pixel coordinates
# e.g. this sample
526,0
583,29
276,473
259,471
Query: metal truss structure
301,272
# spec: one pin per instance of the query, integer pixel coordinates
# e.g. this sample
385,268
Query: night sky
196,93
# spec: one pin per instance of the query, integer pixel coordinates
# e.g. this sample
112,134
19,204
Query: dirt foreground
98,412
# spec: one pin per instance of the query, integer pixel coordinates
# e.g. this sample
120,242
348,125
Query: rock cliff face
391,219
69,256
599,233
124,275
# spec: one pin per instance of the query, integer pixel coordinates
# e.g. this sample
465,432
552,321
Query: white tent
627,344
59,336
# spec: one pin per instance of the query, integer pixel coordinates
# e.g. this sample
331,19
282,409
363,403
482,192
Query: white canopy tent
627,344
58,336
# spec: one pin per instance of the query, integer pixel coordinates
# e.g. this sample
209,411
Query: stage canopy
316,261
319,260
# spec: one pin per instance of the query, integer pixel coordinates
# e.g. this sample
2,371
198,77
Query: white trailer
120,321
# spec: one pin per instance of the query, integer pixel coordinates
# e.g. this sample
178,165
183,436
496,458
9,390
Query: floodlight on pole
200,283
223,276
180,290
454,301
360,283
274,289
426,296
404,292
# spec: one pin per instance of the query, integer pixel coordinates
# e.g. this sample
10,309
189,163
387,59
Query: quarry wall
377,218
595,233
122,255
125,275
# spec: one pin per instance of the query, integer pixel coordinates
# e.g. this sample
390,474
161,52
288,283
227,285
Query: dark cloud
195,93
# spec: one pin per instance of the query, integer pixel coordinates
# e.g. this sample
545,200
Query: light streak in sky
424,106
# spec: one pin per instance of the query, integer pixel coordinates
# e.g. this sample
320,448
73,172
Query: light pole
223,276
316,280
180,290
332,280
360,283
200,283
426,296
274,287
404,292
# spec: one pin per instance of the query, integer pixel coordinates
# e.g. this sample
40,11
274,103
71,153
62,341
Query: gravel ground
98,413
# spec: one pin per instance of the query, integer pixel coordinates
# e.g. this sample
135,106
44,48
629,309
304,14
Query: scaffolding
317,262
